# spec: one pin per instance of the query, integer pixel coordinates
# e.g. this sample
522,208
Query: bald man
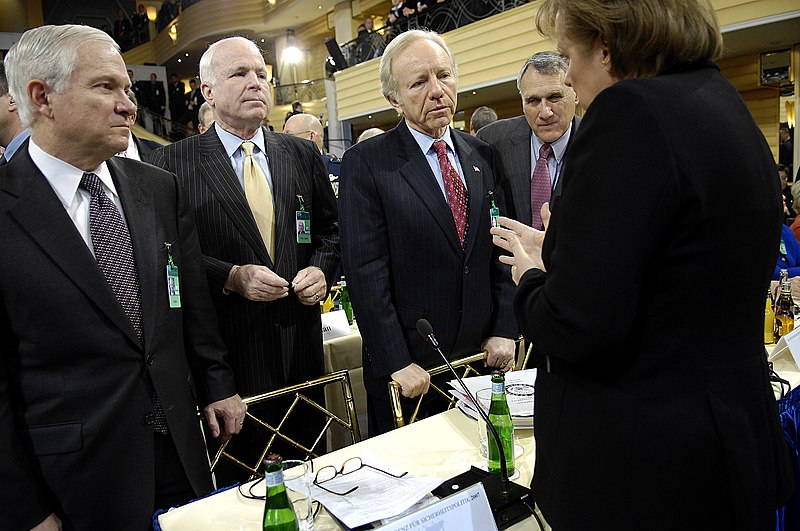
309,127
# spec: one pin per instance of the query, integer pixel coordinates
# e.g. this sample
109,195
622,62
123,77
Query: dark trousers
172,485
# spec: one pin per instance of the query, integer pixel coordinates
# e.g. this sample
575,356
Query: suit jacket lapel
472,169
141,221
40,213
284,177
418,174
215,168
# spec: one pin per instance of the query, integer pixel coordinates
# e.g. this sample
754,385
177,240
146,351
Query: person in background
530,150
414,215
786,190
12,133
141,24
123,31
369,133
194,99
637,394
102,370
138,148
177,98
309,127
297,108
785,148
788,254
482,117
205,117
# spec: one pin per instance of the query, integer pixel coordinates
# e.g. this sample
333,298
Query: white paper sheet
378,495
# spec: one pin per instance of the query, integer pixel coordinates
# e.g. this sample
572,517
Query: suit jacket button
149,360
148,419
466,270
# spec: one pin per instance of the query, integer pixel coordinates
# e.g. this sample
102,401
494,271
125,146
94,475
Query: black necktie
113,251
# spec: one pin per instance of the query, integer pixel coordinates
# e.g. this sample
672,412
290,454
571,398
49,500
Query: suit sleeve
609,223
205,350
325,221
23,496
216,270
367,266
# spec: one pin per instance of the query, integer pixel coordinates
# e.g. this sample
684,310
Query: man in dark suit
415,222
177,98
549,120
265,283
194,100
102,369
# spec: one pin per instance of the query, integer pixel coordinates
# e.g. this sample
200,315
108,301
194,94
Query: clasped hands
523,242
260,283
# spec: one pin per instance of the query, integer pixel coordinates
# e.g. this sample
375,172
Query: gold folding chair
272,433
468,367
471,366
523,355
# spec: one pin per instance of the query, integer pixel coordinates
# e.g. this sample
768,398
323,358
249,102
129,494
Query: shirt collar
425,142
15,143
65,178
559,146
232,142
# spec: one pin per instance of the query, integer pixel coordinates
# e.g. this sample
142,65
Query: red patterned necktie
455,191
540,186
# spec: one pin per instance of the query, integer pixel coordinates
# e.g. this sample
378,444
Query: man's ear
39,95
396,104
207,92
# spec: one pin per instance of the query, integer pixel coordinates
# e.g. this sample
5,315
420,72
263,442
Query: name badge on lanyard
173,279
303,222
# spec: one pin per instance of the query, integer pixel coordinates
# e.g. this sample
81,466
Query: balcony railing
440,18
303,91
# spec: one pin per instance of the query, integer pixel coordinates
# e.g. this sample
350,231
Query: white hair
207,73
49,54
400,43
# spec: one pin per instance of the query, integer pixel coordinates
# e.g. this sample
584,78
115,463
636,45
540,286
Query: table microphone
505,499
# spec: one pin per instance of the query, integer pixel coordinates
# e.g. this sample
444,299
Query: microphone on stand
505,497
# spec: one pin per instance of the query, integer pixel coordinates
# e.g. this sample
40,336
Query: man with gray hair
249,188
205,117
106,349
12,133
482,117
529,149
415,218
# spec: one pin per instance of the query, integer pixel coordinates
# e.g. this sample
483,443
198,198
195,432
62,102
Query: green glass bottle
344,301
278,512
500,418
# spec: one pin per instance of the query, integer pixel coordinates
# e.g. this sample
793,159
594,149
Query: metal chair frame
521,361
350,423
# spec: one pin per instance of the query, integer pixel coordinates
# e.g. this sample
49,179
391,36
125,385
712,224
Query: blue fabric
157,527
788,516
792,260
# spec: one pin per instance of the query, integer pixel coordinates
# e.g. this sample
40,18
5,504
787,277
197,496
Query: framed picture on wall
775,68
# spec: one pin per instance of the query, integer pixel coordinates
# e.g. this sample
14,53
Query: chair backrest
469,366
299,392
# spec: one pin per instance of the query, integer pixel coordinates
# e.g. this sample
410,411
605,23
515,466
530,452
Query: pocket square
477,169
